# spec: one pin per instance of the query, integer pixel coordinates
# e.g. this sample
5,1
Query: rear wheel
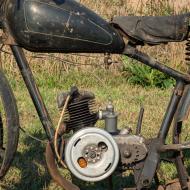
9,125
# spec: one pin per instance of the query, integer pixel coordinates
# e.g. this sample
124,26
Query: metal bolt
127,154
92,155
146,182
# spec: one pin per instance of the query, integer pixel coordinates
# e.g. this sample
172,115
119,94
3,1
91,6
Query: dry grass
126,7
29,171
172,54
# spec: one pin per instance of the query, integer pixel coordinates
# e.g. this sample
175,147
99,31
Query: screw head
92,155
127,154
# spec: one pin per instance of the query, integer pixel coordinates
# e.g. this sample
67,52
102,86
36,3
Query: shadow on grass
34,174
118,183
32,166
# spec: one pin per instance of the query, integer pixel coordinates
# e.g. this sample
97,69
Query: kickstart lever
140,119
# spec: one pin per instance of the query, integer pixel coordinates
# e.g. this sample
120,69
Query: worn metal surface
132,52
110,117
93,153
174,147
175,185
184,106
179,162
81,110
54,172
64,26
132,149
102,154
9,130
140,120
34,91
44,25
171,110
146,175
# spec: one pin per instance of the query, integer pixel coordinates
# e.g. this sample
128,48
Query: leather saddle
154,30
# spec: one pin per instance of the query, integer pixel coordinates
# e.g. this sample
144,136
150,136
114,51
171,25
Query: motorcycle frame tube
153,157
33,91
42,110
171,110
181,170
182,80
133,53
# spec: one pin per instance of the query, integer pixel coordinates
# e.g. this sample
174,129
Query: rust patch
54,172
173,185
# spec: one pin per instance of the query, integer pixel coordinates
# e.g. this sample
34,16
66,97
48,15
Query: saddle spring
187,53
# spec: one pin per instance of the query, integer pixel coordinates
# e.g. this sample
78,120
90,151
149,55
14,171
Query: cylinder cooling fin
81,110
92,154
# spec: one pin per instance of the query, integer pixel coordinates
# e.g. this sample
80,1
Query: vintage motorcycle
92,154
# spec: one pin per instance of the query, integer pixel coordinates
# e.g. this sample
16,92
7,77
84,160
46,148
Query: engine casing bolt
127,154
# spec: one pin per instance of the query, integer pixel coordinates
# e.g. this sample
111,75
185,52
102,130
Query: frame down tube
146,176
171,110
33,90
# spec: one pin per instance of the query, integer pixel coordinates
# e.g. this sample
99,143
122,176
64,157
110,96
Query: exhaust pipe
56,176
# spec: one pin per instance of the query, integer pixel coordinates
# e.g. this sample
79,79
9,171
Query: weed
145,76
29,170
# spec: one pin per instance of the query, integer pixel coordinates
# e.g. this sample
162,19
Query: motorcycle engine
93,154
81,110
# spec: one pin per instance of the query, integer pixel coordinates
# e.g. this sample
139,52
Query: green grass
145,76
29,172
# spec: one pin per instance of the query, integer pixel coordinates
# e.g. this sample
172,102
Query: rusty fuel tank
60,26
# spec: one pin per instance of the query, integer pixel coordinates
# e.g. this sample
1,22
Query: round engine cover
92,154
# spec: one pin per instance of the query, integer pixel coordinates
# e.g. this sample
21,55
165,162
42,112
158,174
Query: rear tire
9,125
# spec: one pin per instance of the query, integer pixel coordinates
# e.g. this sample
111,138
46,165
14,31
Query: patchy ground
29,169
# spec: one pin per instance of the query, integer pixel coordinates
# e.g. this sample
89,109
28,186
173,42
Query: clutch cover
92,154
